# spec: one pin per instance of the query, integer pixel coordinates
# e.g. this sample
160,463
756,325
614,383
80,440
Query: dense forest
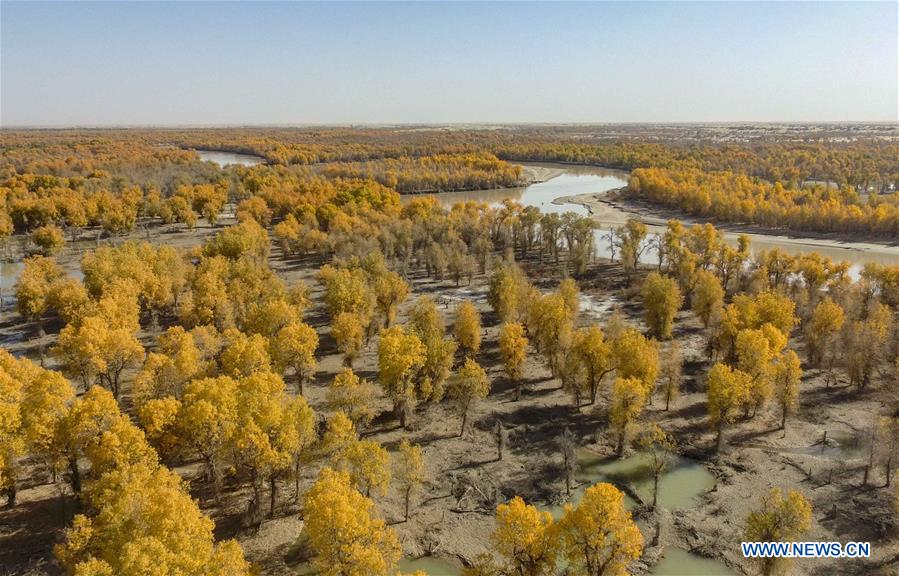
729,197
201,353
693,169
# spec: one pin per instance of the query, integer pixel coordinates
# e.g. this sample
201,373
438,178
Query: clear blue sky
296,63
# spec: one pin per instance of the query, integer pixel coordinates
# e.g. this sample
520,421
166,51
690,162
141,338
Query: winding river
583,189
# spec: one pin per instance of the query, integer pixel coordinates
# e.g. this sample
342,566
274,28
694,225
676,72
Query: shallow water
430,565
841,445
587,179
679,485
677,562
229,158
9,274
575,180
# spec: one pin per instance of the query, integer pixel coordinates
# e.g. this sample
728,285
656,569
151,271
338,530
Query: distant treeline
735,174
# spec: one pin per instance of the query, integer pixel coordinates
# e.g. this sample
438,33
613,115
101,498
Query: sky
242,63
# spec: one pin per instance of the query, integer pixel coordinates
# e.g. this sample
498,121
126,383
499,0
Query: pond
229,158
430,565
679,485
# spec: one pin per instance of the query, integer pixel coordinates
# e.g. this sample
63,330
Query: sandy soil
534,173
756,458
607,209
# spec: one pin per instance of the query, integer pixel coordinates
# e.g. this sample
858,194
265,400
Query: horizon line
164,126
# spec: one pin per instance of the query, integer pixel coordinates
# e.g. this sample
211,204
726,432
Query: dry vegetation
284,368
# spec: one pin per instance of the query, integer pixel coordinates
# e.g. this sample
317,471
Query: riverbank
607,212
537,173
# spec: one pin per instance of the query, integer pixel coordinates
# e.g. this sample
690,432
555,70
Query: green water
679,485
430,565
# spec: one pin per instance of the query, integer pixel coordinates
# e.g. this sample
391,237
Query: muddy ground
757,456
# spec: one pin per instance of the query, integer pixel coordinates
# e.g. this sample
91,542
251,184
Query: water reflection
575,180
679,485
229,158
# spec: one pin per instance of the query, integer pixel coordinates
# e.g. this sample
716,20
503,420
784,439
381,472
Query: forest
316,366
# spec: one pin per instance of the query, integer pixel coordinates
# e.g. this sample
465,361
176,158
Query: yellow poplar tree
353,396
409,471
293,346
822,328
513,346
595,354
754,357
343,534
635,356
526,539
628,400
348,332
787,374
401,355
146,523
599,537
93,350
467,328
440,349
661,301
707,296
273,429
207,421
728,391
369,466
390,291
244,355
467,387
780,519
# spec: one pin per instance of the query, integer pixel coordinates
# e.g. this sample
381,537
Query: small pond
680,484
430,565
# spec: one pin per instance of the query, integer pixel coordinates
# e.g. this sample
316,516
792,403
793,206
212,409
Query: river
581,189
229,158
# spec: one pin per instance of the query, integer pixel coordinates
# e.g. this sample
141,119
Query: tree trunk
74,476
464,422
655,489
273,491
11,494
783,418
406,497
400,410
719,440
40,334
213,474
